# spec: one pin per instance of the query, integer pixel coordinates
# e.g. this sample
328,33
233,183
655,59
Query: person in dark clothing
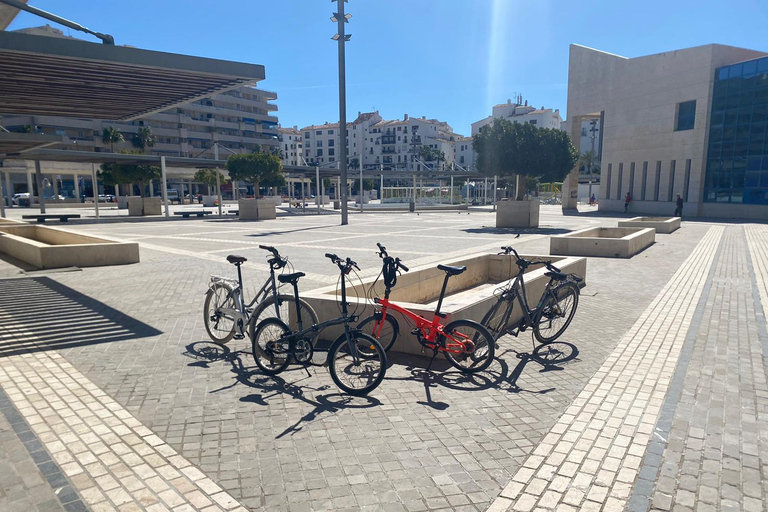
679,209
627,200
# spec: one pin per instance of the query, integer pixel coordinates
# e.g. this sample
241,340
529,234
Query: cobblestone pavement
119,353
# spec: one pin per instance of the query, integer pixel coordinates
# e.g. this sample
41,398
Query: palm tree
144,138
110,136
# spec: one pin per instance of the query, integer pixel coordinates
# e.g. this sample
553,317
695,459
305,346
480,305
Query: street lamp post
341,18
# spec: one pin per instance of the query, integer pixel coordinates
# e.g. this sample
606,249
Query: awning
91,157
52,76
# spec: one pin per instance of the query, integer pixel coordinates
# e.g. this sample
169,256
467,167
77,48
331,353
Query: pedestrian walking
592,200
627,200
679,208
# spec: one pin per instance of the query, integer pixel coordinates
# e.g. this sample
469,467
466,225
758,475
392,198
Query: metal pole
8,189
2,198
95,189
451,189
317,186
381,188
343,111
485,192
40,194
165,187
362,191
414,190
495,191
593,123
218,176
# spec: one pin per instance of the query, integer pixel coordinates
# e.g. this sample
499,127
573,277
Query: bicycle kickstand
434,354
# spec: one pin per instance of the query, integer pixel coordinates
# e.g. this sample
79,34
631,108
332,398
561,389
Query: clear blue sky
445,59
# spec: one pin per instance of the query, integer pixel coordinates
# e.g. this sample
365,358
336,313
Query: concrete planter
605,242
469,295
517,214
209,201
139,206
122,201
256,209
664,225
46,247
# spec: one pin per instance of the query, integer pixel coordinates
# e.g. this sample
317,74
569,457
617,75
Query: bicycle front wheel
556,313
497,318
283,308
219,325
271,350
480,346
357,365
385,333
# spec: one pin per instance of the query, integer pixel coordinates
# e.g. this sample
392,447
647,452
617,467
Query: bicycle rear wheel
357,366
385,334
556,313
271,351
481,345
219,326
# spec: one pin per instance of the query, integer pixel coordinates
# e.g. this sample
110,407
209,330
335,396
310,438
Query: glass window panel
762,64
731,115
723,196
752,179
764,167
764,179
724,181
753,163
750,67
737,180
736,195
717,118
736,70
741,147
721,74
718,104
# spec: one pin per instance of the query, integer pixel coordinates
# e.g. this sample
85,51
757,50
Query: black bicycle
356,361
551,316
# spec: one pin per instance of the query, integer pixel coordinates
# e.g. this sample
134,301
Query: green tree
589,159
110,136
505,149
144,138
125,174
367,185
208,176
256,168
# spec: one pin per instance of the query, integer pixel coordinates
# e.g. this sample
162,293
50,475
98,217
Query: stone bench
199,213
43,217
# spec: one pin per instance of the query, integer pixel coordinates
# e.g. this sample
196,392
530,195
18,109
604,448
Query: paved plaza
111,397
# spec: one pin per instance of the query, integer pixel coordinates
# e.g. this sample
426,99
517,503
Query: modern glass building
737,151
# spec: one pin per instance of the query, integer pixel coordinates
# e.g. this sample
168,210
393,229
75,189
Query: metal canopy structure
65,77
19,143
90,157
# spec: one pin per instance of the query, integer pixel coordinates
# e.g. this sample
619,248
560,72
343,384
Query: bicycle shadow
499,375
267,387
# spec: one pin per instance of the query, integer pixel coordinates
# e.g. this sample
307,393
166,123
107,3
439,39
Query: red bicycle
467,345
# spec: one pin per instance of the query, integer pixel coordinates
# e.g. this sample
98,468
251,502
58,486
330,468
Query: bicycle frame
517,291
430,330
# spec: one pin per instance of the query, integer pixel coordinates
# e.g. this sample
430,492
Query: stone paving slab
591,457
429,441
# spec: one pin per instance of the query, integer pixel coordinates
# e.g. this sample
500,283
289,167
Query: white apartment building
393,144
519,112
291,146
464,155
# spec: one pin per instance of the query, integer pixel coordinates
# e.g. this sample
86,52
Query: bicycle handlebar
400,264
270,249
523,263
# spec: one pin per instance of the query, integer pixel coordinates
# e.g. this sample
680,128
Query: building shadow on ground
517,231
324,399
38,314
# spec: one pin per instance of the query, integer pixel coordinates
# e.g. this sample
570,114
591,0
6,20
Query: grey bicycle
553,312
226,313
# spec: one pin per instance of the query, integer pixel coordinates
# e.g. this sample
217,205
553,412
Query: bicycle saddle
452,271
557,276
235,260
290,278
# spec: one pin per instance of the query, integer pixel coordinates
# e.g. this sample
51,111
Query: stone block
257,209
603,242
664,225
517,214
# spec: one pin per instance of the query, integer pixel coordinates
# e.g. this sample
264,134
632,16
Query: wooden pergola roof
64,77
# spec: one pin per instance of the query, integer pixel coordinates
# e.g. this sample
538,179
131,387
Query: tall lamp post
341,37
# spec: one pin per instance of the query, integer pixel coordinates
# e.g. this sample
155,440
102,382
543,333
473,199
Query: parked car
103,198
16,197
56,198
173,196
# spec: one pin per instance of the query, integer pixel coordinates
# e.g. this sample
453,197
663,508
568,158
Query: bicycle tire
496,319
208,313
288,310
387,334
483,353
267,359
555,306
369,380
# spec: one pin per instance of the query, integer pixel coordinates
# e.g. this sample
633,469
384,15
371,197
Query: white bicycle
227,315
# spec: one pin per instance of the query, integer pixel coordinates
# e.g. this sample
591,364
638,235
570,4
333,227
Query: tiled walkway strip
590,459
110,457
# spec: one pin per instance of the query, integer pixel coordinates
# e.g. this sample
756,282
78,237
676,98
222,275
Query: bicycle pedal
238,336
415,332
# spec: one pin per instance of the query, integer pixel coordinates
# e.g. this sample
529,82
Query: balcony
388,139
387,150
